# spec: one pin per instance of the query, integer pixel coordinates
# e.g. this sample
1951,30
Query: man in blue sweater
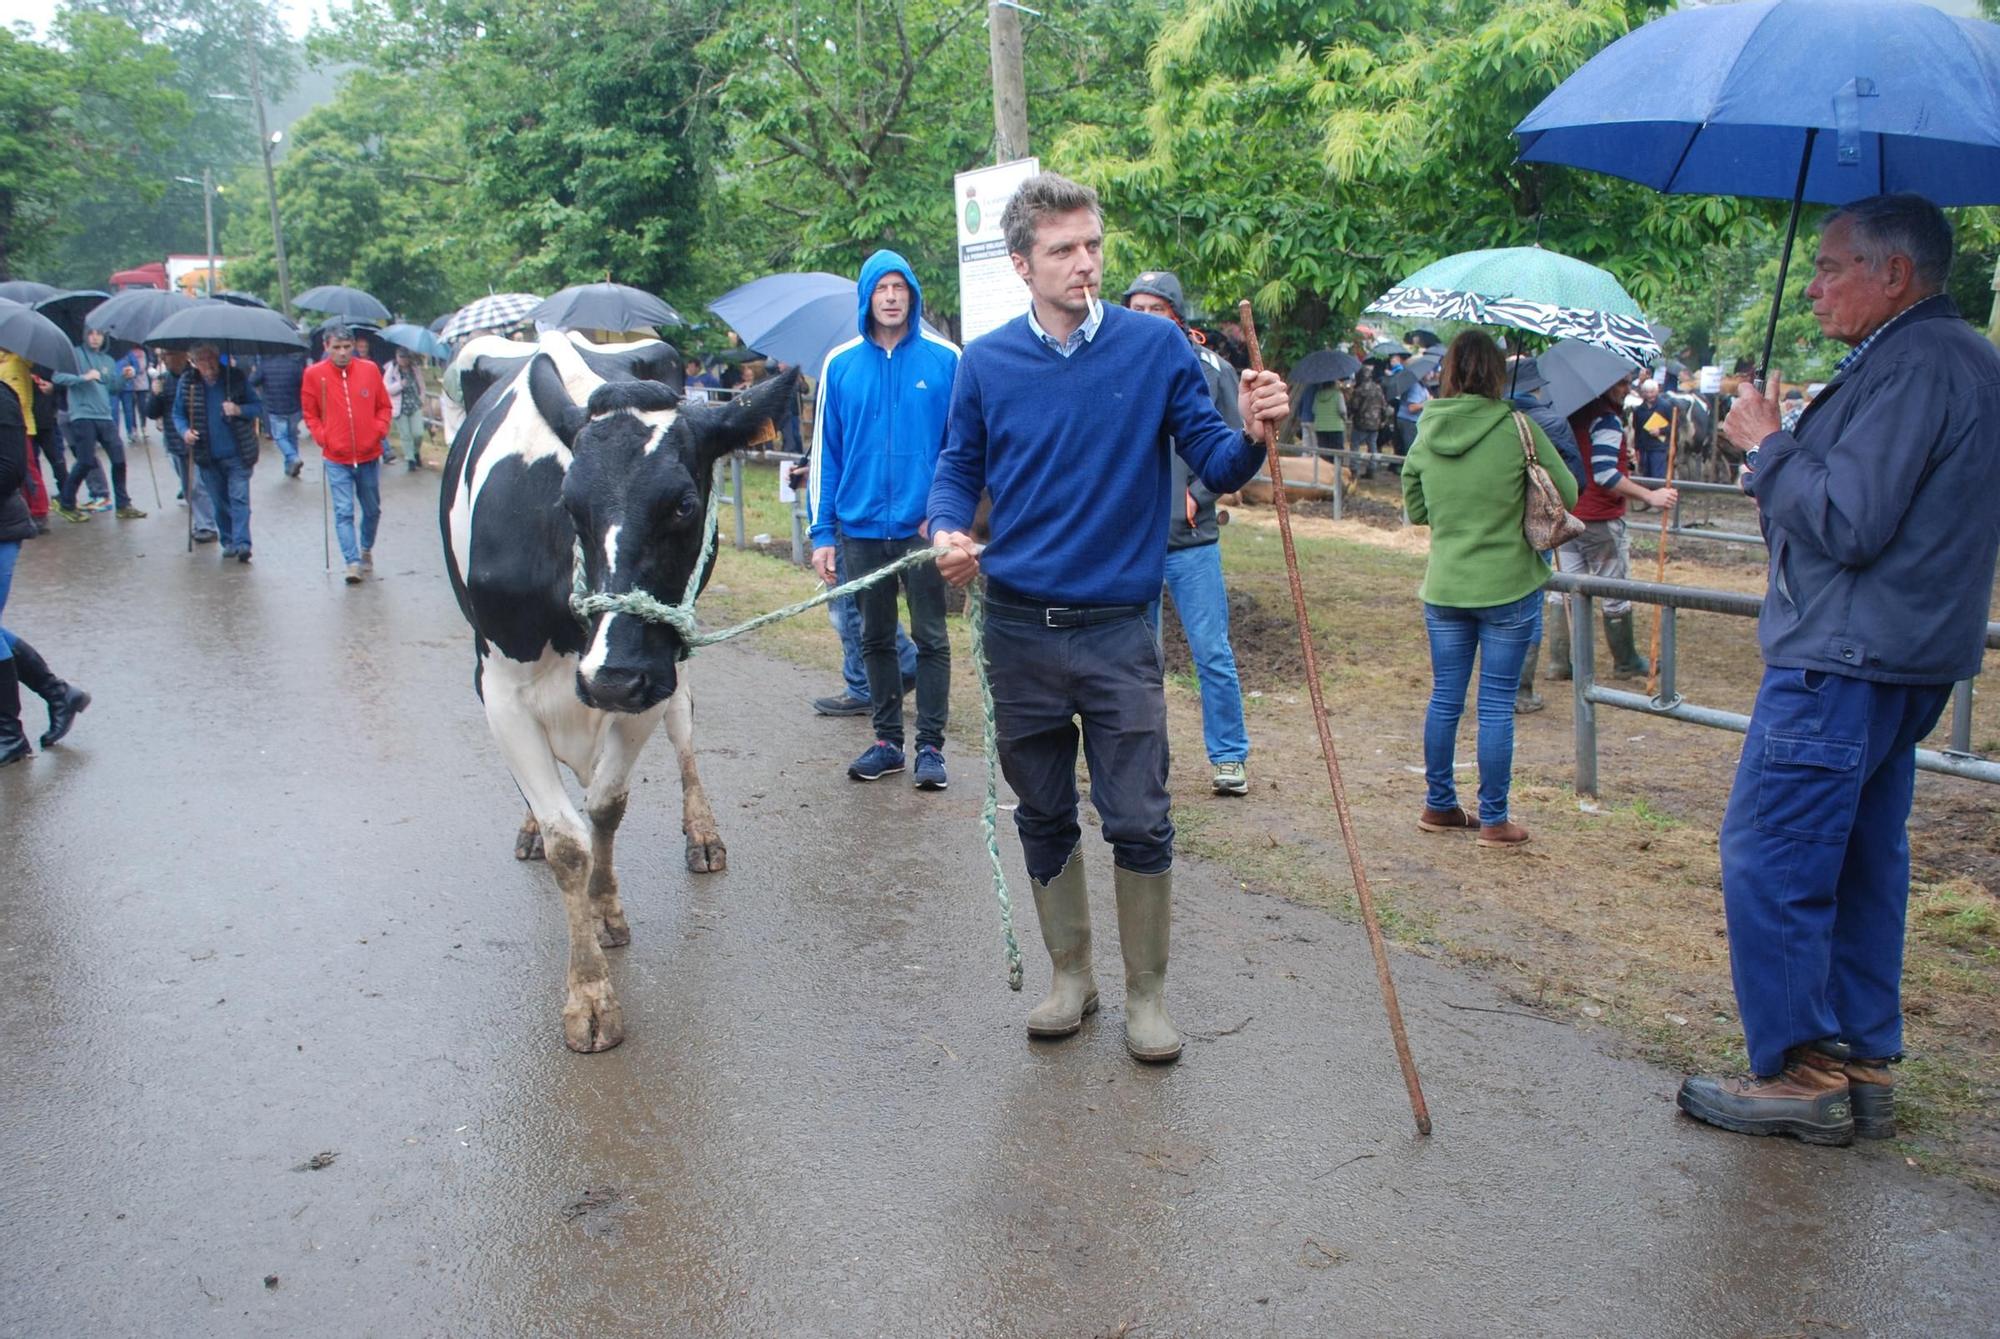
877,430
1878,510
1067,415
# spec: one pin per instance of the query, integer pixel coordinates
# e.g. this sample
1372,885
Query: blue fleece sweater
1075,453
879,421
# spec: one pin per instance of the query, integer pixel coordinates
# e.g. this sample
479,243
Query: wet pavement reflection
262,906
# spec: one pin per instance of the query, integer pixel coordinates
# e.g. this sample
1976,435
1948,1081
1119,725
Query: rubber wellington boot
1063,906
1626,662
1526,699
1145,908
1555,637
13,744
1809,1099
65,700
1873,1089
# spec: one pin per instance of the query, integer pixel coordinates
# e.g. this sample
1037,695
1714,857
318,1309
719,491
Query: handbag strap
1527,437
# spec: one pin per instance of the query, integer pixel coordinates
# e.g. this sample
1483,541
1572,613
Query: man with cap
1194,557
1530,395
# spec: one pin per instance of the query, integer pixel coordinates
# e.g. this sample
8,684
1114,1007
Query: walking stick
1367,899
1660,568
146,446
325,513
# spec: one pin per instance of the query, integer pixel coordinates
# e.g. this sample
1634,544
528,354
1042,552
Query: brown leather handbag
1544,520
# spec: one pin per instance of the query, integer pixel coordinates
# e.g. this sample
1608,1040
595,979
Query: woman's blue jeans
9,552
1500,634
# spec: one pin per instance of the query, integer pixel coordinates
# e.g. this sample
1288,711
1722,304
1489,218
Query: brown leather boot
1872,1086
1808,1099
1446,820
1503,835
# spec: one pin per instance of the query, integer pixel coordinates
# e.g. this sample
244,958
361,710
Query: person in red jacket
347,410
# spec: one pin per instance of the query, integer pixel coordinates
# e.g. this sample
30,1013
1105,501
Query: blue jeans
348,482
9,551
228,483
128,411
285,432
845,615
1194,580
1500,635
1816,861
85,436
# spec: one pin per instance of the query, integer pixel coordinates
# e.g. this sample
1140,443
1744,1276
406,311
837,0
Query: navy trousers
1816,861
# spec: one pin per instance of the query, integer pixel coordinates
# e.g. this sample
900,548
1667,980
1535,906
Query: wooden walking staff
1367,899
1660,567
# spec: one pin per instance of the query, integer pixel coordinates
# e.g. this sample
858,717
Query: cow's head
637,490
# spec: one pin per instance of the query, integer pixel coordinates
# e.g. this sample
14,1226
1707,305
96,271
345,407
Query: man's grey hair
1042,196
1901,225
334,330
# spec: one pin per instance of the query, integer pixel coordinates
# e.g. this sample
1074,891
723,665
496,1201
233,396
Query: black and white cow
568,446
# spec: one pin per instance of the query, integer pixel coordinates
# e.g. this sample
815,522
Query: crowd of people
1074,457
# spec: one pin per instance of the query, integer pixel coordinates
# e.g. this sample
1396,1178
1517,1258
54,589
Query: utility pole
208,220
270,177
1010,85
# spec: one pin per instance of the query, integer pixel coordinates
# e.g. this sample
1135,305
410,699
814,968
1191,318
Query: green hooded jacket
1466,480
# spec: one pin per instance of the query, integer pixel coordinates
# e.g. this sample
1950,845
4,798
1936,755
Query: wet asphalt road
263,905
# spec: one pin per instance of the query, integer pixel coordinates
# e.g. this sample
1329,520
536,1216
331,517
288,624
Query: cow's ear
552,401
745,419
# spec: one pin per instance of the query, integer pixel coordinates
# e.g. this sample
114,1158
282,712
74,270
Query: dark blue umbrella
1822,100
605,306
795,318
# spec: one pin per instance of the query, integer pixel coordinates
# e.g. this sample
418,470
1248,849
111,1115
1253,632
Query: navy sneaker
930,768
881,759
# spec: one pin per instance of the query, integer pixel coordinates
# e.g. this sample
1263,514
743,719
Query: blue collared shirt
1078,337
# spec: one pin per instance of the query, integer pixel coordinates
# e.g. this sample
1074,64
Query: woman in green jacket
1466,479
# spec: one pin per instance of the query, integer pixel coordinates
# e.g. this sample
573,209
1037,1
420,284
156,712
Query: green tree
80,117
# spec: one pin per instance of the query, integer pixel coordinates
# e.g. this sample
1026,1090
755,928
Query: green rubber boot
1626,662
1063,906
1526,699
1555,638
1145,909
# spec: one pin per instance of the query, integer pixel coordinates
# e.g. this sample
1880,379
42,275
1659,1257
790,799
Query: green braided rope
681,617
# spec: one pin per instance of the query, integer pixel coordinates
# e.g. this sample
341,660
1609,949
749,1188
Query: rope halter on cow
680,617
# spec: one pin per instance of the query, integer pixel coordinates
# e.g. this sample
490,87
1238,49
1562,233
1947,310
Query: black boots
13,744
65,700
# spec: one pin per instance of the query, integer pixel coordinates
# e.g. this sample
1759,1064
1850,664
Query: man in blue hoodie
883,400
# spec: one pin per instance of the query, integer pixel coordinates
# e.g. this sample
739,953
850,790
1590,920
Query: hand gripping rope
681,618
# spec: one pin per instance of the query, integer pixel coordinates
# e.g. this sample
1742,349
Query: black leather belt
1014,610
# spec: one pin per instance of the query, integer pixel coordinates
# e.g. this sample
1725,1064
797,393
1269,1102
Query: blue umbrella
1822,100
417,340
795,318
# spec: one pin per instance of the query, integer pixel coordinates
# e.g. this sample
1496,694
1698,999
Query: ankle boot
1555,637
1809,1099
1872,1086
1626,662
1145,908
13,744
1063,906
64,700
1526,699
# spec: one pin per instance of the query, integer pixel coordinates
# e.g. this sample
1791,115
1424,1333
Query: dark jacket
1191,493
15,522
190,408
1880,512
276,381
1556,428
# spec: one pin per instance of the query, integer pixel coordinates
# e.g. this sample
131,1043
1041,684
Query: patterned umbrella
497,312
1526,288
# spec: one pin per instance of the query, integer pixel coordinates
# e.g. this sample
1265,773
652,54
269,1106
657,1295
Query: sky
297,14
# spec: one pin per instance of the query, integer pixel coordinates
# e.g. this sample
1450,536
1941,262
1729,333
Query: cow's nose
616,689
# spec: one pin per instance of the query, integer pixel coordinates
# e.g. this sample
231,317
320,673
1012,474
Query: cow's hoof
614,932
528,842
592,1020
709,857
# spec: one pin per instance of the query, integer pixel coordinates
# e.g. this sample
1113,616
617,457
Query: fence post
1668,694
1961,718
1339,491
1583,669
736,496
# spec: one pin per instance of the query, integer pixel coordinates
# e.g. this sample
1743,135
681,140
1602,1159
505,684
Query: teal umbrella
1526,288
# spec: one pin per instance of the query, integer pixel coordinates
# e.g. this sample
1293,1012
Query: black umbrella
131,315
67,310
25,331
340,300
368,341
1326,365
438,325
228,326
241,299
27,291
1427,338
604,307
